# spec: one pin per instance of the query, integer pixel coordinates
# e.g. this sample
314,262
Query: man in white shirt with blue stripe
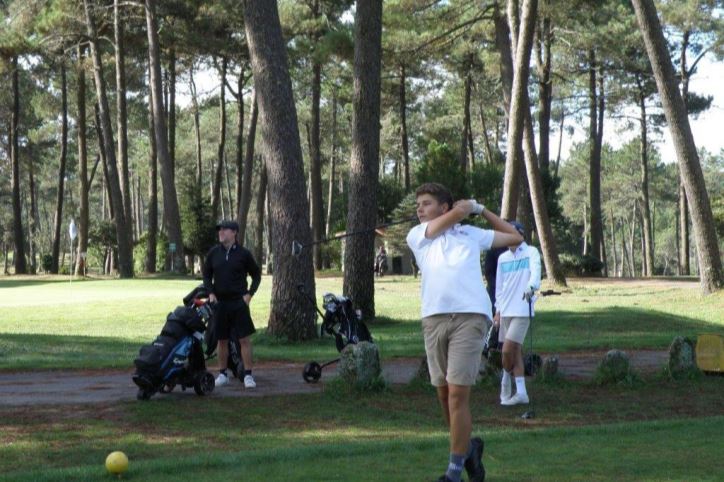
456,310
516,280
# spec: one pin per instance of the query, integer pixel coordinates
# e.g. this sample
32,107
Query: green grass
654,430
48,322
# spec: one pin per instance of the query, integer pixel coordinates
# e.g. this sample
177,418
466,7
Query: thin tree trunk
543,63
364,165
239,144
486,137
683,205
248,169
613,246
710,265
315,165
58,220
332,164
83,169
260,205
171,109
121,115
505,42
197,127
216,193
123,235
646,211
464,160
151,239
290,316
33,218
170,201
594,184
560,143
19,261
403,134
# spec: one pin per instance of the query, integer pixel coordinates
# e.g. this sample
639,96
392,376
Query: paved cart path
26,388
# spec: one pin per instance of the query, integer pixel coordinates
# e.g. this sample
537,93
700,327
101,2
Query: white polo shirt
517,272
452,280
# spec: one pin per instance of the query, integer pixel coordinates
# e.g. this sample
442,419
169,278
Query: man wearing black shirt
225,271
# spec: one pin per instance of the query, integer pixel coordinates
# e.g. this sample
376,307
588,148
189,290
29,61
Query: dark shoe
444,478
474,464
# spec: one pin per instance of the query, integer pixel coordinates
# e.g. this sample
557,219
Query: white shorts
513,328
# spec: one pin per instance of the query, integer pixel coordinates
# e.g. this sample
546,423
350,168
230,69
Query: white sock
506,378
520,385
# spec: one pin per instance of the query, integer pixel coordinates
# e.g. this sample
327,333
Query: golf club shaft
363,231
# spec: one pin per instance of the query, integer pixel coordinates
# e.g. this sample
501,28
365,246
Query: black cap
518,227
233,225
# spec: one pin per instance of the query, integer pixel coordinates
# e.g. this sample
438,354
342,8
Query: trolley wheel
167,387
532,363
143,394
312,372
204,384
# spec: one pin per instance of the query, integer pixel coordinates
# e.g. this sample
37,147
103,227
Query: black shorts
233,314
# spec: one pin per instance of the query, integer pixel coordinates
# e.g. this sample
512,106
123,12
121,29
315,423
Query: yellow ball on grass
117,462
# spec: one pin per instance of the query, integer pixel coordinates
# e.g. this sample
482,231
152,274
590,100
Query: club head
296,248
528,415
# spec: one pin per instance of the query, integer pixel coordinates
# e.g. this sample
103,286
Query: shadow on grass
614,327
553,331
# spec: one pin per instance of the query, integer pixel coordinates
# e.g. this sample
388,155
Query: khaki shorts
513,328
454,346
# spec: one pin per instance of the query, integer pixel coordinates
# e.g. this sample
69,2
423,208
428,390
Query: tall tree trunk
403,131
197,127
291,316
239,142
486,137
123,234
171,109
332,164
645,205
315,165
504,42
522,102
545,90
683,205
170,201
613,246
19,261
710,265
594,182
216,194
464,159
248,169
58,220
102,150
121,114
80,267
260,205
364,165
151,239
33,217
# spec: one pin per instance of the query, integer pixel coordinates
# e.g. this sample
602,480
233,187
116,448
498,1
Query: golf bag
235,362
342,322
491,342
177,355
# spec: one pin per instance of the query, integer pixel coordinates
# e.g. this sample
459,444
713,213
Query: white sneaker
506,391
249,382
517,399
221,380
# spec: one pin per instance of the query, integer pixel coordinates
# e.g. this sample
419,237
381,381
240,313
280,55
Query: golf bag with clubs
235,362
176,357
342,322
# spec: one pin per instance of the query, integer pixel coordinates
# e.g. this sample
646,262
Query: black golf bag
177,355
235,362
342,322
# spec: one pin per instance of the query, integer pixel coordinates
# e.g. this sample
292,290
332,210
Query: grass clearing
48,322
654,430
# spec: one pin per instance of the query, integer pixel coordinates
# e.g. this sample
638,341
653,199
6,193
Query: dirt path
273,378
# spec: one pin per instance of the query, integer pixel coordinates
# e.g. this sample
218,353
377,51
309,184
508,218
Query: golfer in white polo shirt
456,310
516,280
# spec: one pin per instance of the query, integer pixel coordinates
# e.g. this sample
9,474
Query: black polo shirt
225,272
